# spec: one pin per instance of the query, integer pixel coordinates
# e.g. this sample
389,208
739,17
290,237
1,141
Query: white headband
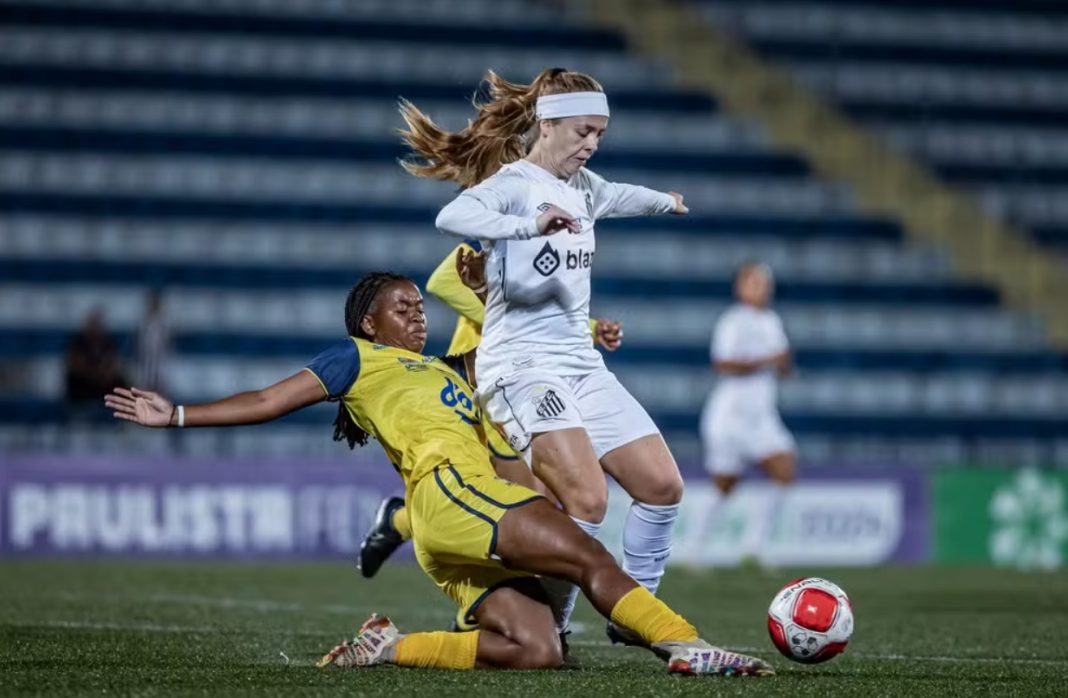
572,104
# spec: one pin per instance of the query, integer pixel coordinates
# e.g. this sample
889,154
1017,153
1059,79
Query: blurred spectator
153,345
92,367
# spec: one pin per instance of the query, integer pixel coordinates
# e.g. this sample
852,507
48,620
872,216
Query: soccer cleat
375,637
698,658
570,660
381,540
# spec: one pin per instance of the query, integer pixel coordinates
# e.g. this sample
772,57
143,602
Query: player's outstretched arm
481,213
619,200
151,409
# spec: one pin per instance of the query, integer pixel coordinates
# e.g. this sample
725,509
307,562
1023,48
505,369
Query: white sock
768,511
563,594
647,542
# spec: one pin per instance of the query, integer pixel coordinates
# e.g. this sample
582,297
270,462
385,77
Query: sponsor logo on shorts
551,405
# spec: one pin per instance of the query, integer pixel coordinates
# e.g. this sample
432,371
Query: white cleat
368,648
699,658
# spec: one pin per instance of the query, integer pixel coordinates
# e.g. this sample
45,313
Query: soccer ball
810,620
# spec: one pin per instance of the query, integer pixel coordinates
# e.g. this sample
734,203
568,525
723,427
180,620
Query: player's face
397,318
754,287
573,140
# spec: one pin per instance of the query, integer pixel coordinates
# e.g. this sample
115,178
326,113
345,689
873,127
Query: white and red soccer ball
810,620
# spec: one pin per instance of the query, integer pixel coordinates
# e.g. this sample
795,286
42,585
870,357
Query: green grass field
135,628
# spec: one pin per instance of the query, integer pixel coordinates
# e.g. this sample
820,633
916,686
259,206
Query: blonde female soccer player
529,196
480,538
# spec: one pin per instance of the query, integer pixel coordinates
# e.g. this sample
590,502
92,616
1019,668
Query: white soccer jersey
538,302
746,333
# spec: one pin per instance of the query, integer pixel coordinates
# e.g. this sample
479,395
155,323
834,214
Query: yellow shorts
498,446
454,532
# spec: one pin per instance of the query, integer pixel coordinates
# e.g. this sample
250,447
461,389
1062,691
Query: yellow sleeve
593,331
446,285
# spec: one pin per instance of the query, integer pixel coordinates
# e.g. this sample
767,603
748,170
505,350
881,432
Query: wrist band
181,416
481,289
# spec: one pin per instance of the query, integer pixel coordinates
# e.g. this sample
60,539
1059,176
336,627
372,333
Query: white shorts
734,441
534,401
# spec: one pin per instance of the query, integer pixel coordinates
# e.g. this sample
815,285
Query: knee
663,491
589,505
724,483
540,652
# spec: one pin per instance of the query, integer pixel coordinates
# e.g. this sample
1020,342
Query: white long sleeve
618,200
482,213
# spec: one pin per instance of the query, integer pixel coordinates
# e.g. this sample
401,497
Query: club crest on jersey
550,405
412,364
547,261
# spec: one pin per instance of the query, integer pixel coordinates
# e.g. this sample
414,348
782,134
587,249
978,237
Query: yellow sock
401,524
651,618
438,650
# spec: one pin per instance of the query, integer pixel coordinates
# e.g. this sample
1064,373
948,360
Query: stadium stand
240,155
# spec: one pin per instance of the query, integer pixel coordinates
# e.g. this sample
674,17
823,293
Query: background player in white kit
740,425
529,196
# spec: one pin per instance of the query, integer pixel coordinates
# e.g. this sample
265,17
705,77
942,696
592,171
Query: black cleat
570,660
625,636
381,539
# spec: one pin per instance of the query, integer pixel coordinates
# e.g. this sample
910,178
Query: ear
543,128
367,324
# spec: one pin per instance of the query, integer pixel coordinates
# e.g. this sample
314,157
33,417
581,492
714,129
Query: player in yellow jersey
452,283
479,537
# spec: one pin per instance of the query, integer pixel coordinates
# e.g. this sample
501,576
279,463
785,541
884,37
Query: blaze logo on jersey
579,259
551,405
547,261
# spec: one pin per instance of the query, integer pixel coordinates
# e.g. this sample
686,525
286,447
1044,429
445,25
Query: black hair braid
360,299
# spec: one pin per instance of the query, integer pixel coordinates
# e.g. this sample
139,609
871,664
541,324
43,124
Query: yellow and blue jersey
419,408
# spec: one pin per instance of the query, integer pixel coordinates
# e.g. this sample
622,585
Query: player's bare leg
781,467
515,470
516,628
539,538
565,461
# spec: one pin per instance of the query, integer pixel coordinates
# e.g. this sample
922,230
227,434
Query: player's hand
608,334
140,406
680,208
471,266
554,219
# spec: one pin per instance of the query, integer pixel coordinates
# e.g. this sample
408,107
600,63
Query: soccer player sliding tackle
460,282
481,539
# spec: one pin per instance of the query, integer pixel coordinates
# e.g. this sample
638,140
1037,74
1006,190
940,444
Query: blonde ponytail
496,136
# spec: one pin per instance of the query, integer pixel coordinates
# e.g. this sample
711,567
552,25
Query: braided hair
360,300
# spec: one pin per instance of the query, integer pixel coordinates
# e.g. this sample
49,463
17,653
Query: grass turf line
150,628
